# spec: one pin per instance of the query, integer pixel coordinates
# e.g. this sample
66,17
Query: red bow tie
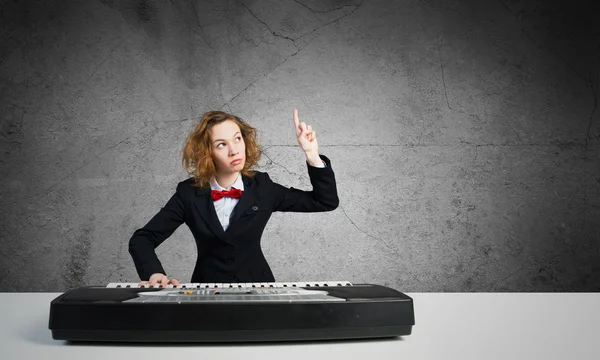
218,194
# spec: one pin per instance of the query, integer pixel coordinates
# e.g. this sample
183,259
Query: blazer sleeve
323,196
158,229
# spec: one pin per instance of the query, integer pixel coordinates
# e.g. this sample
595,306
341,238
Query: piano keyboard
231,312
236,285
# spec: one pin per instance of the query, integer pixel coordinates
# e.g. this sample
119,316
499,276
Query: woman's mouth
236,162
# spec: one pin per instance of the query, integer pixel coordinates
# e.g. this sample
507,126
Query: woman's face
229,149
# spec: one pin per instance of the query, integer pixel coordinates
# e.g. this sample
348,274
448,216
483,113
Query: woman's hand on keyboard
160,279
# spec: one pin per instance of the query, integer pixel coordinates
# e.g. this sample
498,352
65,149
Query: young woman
227,205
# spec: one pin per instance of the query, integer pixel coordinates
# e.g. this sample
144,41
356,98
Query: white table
448,326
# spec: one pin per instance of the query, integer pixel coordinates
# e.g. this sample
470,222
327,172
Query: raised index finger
296,122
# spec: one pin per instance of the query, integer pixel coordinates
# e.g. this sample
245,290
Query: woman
227,205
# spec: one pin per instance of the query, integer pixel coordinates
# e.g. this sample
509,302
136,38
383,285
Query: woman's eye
239,138
219,145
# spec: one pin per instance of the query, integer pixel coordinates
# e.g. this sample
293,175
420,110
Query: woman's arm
324,196
158,229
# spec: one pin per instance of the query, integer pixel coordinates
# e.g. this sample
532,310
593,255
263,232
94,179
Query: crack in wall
139,160
422,130
451,9
298,50
301,36
437,7
510,275
240,93
439,46
12,104
515,131
476,154
547,262
598,249
324,11
178,120
114,48
552,277
266,42
284,168
332,21
48,191
265,24
369,235
595,94
585,171
199,25
258,79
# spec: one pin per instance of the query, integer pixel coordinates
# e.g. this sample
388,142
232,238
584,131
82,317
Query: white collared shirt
224,206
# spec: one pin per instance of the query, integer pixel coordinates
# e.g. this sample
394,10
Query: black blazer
234,255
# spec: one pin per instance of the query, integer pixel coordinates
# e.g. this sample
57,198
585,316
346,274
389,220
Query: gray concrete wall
464,135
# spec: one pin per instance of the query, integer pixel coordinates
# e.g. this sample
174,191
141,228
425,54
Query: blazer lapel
248,199
206,210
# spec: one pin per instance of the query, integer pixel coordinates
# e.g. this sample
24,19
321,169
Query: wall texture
465,135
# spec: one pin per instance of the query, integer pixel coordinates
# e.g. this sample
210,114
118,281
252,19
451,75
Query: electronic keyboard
231,312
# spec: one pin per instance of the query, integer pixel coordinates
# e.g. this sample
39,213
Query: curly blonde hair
197,153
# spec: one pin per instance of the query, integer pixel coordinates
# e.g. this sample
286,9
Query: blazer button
230,260
255,208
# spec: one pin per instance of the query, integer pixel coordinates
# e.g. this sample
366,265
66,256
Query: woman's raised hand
306,136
